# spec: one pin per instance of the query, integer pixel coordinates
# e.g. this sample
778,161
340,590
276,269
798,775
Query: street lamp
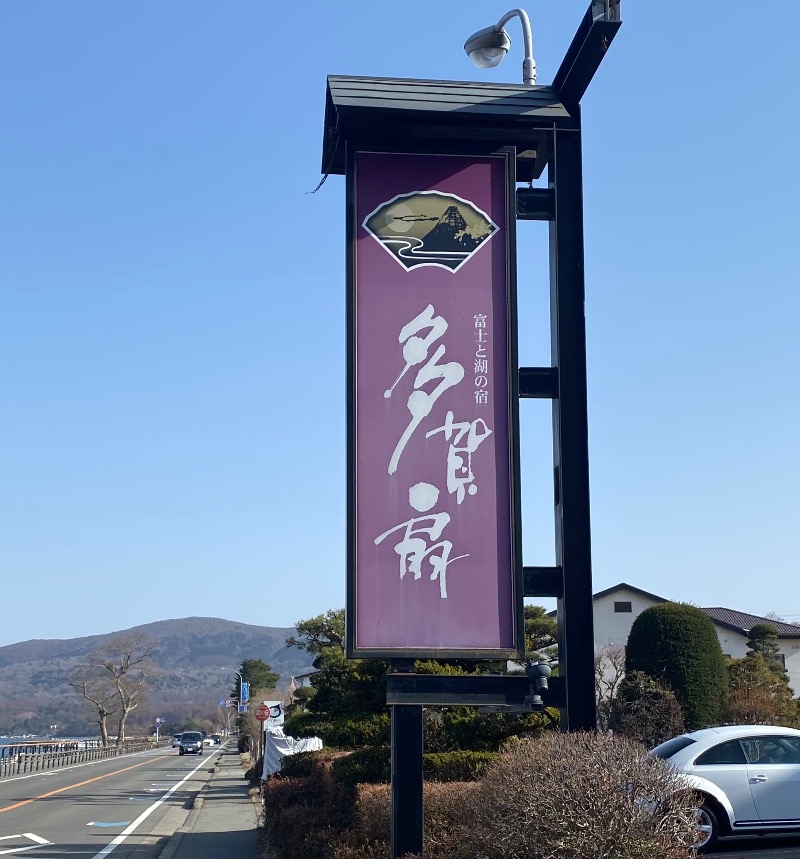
488,47
241,681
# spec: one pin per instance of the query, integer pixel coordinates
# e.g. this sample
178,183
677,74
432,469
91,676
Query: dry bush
580,796
304,817
446,826
561,796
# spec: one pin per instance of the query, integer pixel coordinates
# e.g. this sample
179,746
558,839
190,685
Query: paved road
758,847
125,806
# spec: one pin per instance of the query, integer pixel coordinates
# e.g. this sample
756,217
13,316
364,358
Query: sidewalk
223,820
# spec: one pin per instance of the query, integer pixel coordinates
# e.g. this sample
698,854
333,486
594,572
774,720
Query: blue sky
172,381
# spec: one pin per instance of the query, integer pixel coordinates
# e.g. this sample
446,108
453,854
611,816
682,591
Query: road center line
70,787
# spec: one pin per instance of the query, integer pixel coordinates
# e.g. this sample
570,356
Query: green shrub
455,766
304,724
365,766
450,729
677,644
372,730
373,766
355,732
298,766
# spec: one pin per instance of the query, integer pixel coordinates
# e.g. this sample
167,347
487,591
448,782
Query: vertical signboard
434,561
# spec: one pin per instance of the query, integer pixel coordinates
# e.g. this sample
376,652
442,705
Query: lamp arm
528,64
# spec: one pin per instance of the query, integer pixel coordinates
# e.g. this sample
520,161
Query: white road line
35,838
145,814
40,842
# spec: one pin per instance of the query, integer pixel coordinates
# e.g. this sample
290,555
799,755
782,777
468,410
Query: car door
725,765
773,769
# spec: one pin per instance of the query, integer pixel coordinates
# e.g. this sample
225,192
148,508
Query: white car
747,776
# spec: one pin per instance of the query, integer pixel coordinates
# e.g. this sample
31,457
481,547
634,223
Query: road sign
228,702
245,692
159,720
242,708
261,712
223,702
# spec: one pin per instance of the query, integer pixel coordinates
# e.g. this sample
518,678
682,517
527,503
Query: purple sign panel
434,561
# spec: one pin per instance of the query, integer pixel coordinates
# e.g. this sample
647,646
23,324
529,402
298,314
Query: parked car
191,743
176,740
747,778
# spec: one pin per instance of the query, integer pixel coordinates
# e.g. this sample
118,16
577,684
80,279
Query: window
772,750
671,747
620,607
725,753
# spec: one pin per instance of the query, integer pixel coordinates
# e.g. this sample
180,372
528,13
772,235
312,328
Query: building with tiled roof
616,608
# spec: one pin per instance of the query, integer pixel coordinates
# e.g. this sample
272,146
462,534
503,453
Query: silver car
747,778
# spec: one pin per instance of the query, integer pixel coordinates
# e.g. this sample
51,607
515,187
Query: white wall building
616,608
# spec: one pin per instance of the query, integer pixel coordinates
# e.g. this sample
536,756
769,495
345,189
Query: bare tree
101,692
127,661
609,672
115,678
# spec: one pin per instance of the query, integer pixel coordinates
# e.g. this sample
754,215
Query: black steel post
407,808
570,431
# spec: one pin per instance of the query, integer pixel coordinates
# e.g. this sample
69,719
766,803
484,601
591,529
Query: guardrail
28,757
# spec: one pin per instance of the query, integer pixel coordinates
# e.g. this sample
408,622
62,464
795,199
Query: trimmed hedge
374,730
574,796
456,766
300,765
303,816
373,766
362,729
365,766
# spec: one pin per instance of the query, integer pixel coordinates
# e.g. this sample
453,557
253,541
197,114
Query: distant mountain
197,658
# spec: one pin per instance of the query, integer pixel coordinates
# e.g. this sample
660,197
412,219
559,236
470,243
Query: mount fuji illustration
430,228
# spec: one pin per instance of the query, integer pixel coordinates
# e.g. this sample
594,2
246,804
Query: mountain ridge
196,660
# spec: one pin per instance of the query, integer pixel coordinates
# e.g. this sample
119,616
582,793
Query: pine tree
763,639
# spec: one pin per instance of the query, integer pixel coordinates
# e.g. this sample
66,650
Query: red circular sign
261,712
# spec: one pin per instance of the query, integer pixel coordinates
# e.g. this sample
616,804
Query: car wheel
708,828
180,752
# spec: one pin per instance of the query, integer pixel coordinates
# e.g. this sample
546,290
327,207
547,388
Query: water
33,738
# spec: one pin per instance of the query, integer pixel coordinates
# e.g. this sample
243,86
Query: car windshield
671,747
192,737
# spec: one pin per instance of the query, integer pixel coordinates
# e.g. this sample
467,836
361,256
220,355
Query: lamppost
237,698
488,47
238,674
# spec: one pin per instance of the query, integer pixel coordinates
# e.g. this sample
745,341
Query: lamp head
487,47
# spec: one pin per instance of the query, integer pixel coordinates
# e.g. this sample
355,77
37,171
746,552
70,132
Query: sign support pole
407,780
570,432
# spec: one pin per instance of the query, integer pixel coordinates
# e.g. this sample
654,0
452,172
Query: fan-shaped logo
430,228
